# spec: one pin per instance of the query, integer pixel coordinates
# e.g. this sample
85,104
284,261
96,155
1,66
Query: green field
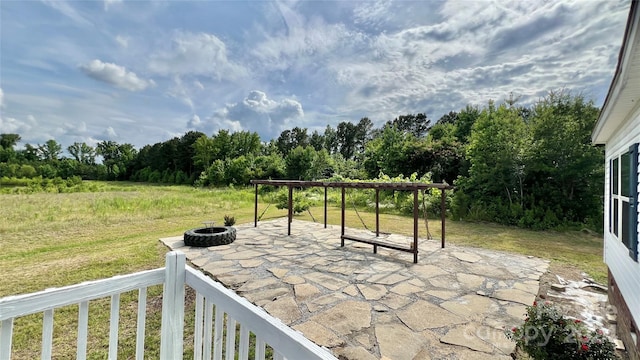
51,240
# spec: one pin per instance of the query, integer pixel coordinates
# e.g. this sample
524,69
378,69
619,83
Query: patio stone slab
354,353
465,335
467,257
453,304
514,295
346,317
285,309
424,315
319,334
305,291
396,341
372,292
470,306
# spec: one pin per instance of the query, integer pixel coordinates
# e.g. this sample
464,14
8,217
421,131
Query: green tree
245,143
186,153
316,140
564,171
346,138
415,124
222,145
299,162
330,140
322,166
203,152
444,153
118,159
496,155
9,141
50,151
363,134
390,153
82,153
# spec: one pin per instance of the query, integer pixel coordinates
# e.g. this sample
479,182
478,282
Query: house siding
624,272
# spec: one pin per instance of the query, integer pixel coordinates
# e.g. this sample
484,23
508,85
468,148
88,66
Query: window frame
624,228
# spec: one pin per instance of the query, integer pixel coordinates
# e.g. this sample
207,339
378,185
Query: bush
229,220
301,202
547,334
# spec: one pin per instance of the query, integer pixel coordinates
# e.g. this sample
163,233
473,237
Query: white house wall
625,271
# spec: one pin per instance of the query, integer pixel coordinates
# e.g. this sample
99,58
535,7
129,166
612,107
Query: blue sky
143,72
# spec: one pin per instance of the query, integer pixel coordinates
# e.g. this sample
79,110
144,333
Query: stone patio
453,304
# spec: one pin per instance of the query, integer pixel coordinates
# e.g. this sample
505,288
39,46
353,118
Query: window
623,217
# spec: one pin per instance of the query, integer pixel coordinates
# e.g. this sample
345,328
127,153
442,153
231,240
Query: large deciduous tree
82,153
50,150
564,171
496,154
346,138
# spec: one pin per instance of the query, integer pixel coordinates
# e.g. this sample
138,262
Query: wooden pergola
413,187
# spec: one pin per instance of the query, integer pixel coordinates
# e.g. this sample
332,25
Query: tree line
530,166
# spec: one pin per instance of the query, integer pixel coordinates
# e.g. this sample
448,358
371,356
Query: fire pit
210,235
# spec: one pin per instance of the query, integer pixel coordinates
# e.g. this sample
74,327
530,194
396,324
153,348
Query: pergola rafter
413,187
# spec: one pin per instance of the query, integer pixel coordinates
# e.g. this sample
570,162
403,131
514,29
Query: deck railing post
172,328
6,335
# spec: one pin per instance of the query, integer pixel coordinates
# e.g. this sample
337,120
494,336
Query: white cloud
115,75
194,122
110,134
1,98
76,129
478,51
306,45
65,8
109,3
196,54
16,126
122,40
181,92
257,112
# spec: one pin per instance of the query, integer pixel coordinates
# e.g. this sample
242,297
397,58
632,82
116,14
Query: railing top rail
20,305
355,185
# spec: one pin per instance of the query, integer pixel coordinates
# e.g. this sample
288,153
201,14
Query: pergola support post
290,210
255,208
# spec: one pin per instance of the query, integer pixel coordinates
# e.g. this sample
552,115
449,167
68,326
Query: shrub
547,334
301,202
229,220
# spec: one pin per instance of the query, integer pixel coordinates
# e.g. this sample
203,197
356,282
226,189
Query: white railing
213,334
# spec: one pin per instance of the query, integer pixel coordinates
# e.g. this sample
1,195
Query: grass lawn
51,240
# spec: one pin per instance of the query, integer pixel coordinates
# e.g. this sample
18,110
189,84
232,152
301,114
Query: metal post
442,213
325,207
415,226
255,209
342,220
377,212
290,210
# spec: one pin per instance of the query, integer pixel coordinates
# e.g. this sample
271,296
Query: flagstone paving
453,304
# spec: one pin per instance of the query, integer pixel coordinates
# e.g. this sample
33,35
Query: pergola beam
413,187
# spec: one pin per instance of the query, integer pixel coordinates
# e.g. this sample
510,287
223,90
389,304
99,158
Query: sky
144,72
